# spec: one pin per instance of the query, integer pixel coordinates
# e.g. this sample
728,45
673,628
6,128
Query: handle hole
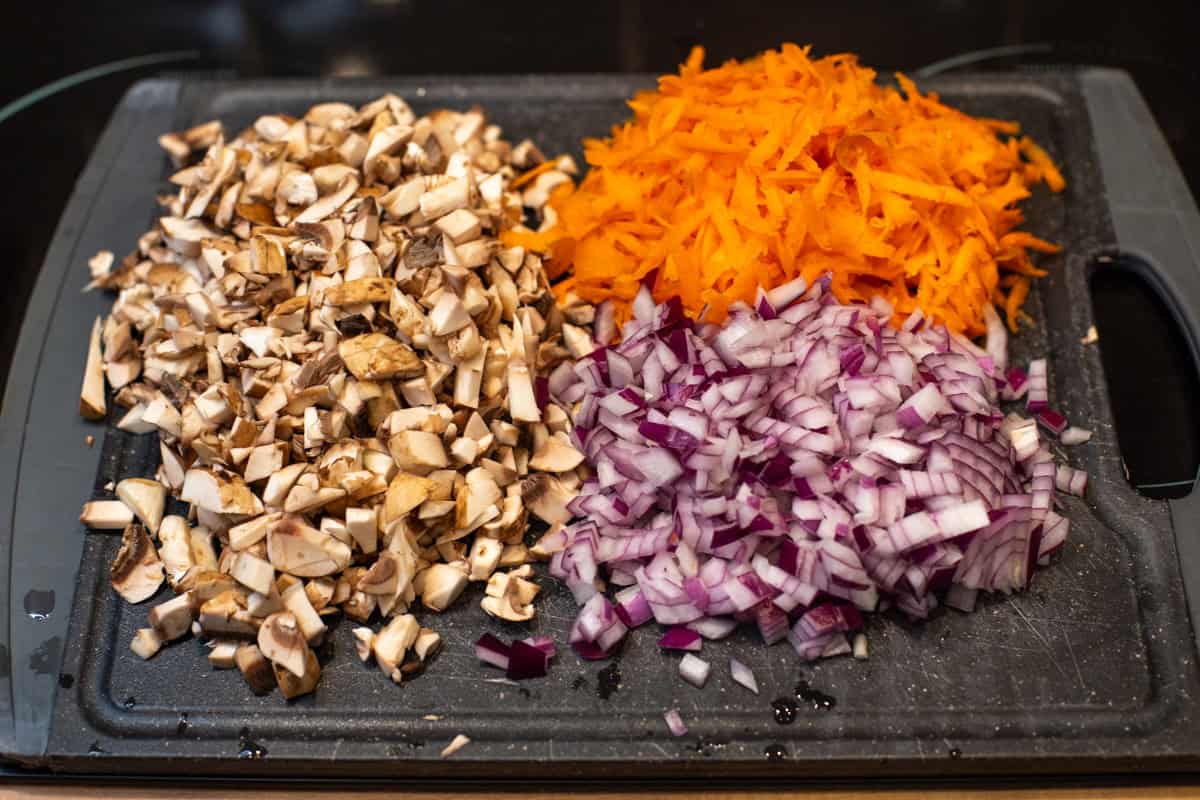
1152,380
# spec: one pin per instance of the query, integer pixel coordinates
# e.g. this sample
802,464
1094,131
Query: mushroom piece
362,290
364,642
280,640
203,554
164,416
384,577
134,420
483,559
363,526
146,642
145,499
404,493
510,595
513,555
252,572
106,515
522,405
418,452
297,548
376,356
442,584
175,548
255,668
136,572
223,655
556,454
448,315
92,402
295,600
174,618
578,341
226,614
392,642
428,644
263,605
281,483
249,533
221,494
546,497
264,461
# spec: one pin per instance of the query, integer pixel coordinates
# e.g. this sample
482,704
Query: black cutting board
1093,670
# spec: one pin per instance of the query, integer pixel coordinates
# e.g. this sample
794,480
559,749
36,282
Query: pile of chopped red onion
802,463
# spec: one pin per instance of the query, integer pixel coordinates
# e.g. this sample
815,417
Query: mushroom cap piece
136,572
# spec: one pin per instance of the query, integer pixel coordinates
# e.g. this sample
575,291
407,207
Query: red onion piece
1070,480
526,661
1039,396
1052,421
680,638
543,643
694,670
675,723
743,675
491,650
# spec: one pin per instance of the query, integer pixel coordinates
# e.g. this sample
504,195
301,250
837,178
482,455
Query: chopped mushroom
146,642
339,358
145,499
255,668
391,643
223,655
364,642
92,403
136,571
173,618
280,640
106,515
442,585
457,743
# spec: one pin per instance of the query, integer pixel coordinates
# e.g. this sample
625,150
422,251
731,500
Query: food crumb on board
432,717
456,744
1091,337
89,440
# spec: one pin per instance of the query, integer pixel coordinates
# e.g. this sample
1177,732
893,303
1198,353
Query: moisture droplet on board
39,604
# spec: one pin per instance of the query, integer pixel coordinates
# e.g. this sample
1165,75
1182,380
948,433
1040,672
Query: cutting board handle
1156,220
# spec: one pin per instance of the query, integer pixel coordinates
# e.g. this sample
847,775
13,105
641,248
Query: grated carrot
751,173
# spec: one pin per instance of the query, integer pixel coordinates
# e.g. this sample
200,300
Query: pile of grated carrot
751,173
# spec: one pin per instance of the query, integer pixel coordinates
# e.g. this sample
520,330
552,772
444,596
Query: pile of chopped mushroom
342,364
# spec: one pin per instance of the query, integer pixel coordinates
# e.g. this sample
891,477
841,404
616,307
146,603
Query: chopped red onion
799,464
543,643
1070,480
743,675
713,627
1016,384
1073,436
528,658
961,598
675,723
491,650
1039,394
680,638
526,661
694,670
1052,421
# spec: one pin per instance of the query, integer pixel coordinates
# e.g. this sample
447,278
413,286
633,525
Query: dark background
45,144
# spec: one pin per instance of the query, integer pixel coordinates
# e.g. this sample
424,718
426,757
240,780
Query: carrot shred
751,173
